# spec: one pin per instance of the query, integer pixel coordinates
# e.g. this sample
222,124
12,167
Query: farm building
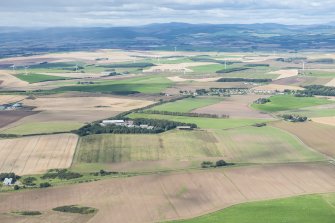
8,181
184,128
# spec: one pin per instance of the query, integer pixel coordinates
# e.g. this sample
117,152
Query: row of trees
62,174
237,79
219,163
188,114
158,127
231,70
294,118
317,90
262,101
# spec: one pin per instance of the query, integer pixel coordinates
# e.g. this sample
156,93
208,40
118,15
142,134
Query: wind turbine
13,66
25,70
175,49
225,64
303,67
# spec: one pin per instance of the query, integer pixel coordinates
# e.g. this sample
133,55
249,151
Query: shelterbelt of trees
158,127
317,90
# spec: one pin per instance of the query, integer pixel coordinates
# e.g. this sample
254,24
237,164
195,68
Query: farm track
159,197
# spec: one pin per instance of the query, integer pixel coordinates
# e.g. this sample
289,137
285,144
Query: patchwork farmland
157,134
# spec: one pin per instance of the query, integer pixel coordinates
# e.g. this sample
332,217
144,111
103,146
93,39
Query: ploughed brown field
8,117
37,154
236,106
155,198
317,136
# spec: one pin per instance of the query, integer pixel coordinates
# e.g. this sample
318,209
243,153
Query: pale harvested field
160,197
85,103
331,83
325,120
285,73
317,136
236,106
7,99
37,154
176,67
9,81
180,79
273,87
80,109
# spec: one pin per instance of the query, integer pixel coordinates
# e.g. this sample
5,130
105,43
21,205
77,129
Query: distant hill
198,37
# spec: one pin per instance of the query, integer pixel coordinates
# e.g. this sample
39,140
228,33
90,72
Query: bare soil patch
37,154
317,136
236,106
8,117
173,196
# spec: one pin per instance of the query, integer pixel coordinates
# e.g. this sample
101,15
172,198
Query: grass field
111,148
34,78
263,145
289,102
242,145
204,123
42,127
212,68
307,209
187,105
151,84
320,74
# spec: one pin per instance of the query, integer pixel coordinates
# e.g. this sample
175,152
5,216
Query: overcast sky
139,12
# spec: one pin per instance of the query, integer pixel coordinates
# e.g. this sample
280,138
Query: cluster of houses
11,107
126,123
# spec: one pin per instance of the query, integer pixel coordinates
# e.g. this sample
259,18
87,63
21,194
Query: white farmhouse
8,181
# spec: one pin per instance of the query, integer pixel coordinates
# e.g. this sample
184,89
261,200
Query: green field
242,145
320,74
312,112
263,145
289,102
34,77
302,209
187,105
204,123
211,68
148,84
42,127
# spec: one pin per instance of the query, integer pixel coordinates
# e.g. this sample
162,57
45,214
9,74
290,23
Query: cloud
126,12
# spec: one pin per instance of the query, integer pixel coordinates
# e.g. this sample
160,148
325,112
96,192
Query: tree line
237,79
317,90
187,114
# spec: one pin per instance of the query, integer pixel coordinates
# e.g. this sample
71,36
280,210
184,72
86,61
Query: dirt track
159,197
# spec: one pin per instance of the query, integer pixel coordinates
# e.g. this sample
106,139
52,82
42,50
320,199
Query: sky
90,13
